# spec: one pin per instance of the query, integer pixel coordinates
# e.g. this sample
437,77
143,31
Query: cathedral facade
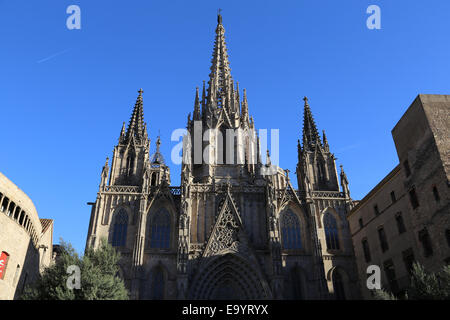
236,228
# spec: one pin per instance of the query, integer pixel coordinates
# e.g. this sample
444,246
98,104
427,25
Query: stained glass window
331,231
290,231
120,228
160,230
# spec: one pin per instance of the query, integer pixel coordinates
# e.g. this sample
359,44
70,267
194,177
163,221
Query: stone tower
235,228
319,188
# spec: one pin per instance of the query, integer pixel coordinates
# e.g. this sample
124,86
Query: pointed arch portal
228,277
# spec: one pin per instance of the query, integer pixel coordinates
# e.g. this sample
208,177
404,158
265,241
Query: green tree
98,271
382,294
424,285
429,286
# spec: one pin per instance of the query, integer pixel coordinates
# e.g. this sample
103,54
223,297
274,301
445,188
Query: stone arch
303,225
299,211
340,283
123,214
228,276
331,220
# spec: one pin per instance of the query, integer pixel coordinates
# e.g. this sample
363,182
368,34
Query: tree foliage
98,276
424,285
429,286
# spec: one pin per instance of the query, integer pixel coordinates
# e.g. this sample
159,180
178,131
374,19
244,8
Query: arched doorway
228,277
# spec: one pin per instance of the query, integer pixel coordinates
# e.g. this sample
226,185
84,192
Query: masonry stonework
415,194
25,239
230,231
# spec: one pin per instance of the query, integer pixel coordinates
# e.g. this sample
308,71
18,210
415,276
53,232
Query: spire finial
197,114
141,91
219,16
157,158
268,161
305,98
158,142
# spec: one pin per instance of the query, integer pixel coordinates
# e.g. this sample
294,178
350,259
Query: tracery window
120,228
160,230
331,231
291,231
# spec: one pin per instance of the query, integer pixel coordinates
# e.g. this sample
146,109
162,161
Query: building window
393,198
120,228
338,286
375,208
400,223
331,231
130,164
4,203
390,274
4,257
383,242
425,240
16,275
408,259
447,236
10,210
158,284
290,231
160,230
407,169
366,249
436,194
413,198
361,225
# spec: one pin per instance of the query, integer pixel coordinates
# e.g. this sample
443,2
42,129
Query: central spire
220,81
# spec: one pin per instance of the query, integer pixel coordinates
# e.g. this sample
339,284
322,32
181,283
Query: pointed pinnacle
219,16
324,137
196,106
137,118
310,134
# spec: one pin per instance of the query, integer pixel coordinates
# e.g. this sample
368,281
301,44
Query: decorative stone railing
327,194
176,191
122,189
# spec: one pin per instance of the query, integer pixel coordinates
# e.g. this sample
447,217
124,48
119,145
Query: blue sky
65,93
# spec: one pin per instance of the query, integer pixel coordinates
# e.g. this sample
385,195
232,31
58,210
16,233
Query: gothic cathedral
230,231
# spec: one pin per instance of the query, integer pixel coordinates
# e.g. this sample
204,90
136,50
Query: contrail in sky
53,55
